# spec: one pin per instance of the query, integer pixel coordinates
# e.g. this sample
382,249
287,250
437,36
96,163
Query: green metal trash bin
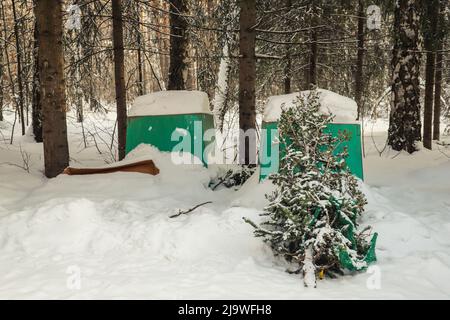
345,111
172,121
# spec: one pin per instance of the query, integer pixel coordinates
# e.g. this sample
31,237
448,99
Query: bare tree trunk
359,81
312,69
36,107
19,67
140,60
438,73
8,68
221,95
1,75
247,82
437,94
430,27
51,73
404,121
288,65
428,105
178,69
119,76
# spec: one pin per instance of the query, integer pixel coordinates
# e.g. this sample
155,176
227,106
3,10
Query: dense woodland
393,59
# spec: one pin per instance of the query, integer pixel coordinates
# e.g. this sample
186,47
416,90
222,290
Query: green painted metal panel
161,132
269,156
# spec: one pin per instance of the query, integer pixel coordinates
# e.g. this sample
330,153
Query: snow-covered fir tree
312,215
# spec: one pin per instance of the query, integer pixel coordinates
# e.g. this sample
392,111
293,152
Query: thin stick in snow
190,210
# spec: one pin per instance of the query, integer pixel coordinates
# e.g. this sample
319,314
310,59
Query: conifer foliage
312,215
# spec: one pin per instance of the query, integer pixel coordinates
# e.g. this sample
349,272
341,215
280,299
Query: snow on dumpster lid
344,109
170,102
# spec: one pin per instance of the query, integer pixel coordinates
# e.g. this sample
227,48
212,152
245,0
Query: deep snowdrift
116,231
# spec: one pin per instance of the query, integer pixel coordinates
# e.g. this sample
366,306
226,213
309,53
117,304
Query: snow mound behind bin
170,103
344,109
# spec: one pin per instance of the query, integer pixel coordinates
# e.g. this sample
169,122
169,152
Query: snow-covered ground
114,230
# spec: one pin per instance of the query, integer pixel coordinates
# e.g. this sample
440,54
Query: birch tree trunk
359,81
19,68
36,106
404,121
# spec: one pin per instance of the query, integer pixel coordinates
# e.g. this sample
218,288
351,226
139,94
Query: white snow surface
116,231
344,109
170,102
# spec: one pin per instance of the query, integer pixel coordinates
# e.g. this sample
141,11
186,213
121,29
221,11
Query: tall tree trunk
36,106
51,73
19,67
311,75
430,27
247,82
119,76
1,75
312,68
178,69
140,60
359,80
8,68
428,105
437,94
404,121
221,95
288,65
438,73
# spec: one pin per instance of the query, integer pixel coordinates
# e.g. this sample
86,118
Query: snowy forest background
393,60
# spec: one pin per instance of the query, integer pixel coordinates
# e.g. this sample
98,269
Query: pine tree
312,215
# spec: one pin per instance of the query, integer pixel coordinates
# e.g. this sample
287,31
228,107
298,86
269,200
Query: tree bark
311,75
288,65
19,67
438,73
359,81
36,106
404,121
178,68
1,74
437,94
430,28
247,82
119,76
140,60
51,73
312,69
428,105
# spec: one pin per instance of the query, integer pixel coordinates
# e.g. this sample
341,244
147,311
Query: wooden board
145,166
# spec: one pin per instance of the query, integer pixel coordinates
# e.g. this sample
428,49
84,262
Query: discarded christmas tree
312,215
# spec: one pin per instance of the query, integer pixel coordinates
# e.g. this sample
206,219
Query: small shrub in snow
312,215
234,177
